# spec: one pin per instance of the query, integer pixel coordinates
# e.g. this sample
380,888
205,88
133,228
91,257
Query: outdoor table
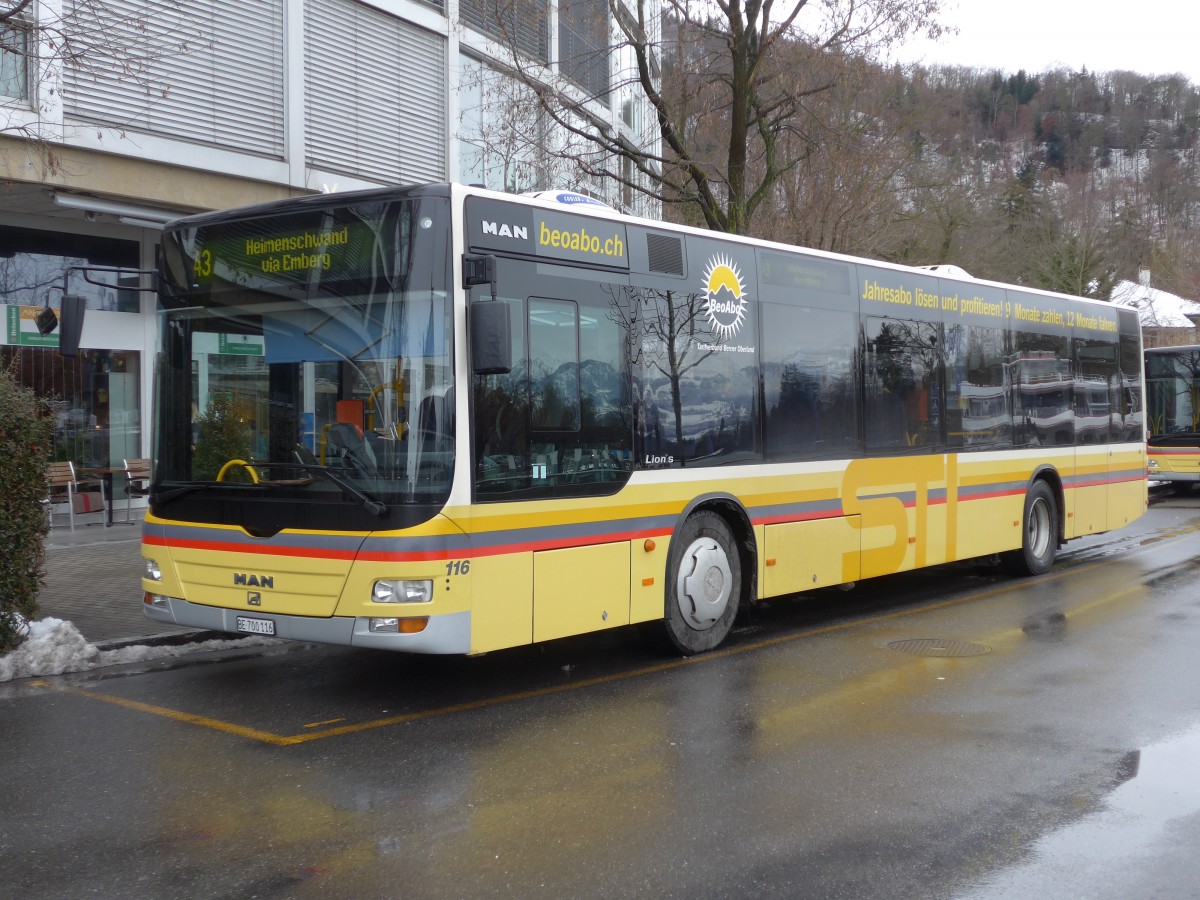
106,480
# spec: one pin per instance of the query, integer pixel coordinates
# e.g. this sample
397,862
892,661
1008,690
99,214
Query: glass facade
95,397
33,265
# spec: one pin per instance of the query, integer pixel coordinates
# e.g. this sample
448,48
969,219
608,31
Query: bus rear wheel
1039,537
704,584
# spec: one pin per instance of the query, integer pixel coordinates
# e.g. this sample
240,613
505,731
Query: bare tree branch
708,68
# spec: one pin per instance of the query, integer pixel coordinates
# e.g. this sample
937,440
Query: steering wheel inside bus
236,463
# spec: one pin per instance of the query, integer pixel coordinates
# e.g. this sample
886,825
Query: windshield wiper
375,507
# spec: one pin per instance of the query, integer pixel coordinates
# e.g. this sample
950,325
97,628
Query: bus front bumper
445,634
1156,474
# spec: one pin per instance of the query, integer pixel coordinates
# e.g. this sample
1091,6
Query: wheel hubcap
1039,528
705,583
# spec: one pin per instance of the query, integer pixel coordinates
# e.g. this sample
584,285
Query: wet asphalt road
956,733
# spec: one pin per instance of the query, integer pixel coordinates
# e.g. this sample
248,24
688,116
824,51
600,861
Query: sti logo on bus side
502,229
244,580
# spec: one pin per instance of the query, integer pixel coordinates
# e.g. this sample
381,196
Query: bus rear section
1173,416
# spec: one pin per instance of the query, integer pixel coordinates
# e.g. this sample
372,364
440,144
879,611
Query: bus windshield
1173,394
307,360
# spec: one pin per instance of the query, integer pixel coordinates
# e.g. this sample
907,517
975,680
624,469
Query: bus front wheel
1039,536
704,584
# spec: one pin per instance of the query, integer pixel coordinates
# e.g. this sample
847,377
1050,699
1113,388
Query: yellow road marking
203,721
278,740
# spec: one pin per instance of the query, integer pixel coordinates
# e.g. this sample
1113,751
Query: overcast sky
1153,37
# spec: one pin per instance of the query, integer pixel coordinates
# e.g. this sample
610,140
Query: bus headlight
1152,464
153,572
402,591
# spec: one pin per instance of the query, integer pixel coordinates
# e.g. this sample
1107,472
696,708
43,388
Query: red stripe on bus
230,547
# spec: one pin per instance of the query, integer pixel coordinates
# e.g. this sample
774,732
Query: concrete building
119,115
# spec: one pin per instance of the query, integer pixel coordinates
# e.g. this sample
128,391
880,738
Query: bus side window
903,385
810,382
978,393
1043,385
1096,369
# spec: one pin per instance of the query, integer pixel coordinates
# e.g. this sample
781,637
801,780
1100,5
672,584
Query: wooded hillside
1060,179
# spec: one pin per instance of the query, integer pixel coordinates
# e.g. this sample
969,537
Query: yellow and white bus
1173,415
441,419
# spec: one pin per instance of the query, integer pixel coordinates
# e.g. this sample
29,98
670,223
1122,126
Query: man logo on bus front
724,296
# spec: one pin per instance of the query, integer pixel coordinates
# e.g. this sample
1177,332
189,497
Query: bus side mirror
491,344
70,327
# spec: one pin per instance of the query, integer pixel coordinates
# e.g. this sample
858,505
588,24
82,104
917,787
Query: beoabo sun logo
725,297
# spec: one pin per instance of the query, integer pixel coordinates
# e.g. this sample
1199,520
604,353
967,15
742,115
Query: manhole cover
939,647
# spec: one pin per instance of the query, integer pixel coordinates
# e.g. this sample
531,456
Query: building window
93,399
33,263
583,45
500,131
519,24
15,43
375,94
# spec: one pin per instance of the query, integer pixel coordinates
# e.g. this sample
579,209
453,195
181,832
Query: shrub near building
25,439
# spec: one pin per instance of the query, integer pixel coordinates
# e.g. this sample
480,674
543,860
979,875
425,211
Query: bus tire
1039,534
704,585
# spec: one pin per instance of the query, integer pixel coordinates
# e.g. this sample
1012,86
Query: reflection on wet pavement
1155,802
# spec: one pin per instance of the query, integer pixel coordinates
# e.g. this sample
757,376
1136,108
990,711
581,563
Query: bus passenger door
1127,458
1095,370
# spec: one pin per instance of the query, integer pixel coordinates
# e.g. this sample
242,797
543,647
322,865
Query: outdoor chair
137,481
64,486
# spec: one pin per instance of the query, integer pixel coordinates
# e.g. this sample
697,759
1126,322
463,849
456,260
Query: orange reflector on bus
646,582
412,626
770,562
649,545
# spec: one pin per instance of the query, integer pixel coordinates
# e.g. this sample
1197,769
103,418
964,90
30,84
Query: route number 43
458,567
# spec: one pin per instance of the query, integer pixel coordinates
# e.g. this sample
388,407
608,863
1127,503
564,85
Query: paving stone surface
94,579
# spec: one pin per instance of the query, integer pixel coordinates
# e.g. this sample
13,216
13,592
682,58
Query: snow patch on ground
55,647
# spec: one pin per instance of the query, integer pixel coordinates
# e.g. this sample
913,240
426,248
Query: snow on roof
1156,308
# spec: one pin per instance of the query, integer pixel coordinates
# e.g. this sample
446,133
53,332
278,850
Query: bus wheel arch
709,575
1041,527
